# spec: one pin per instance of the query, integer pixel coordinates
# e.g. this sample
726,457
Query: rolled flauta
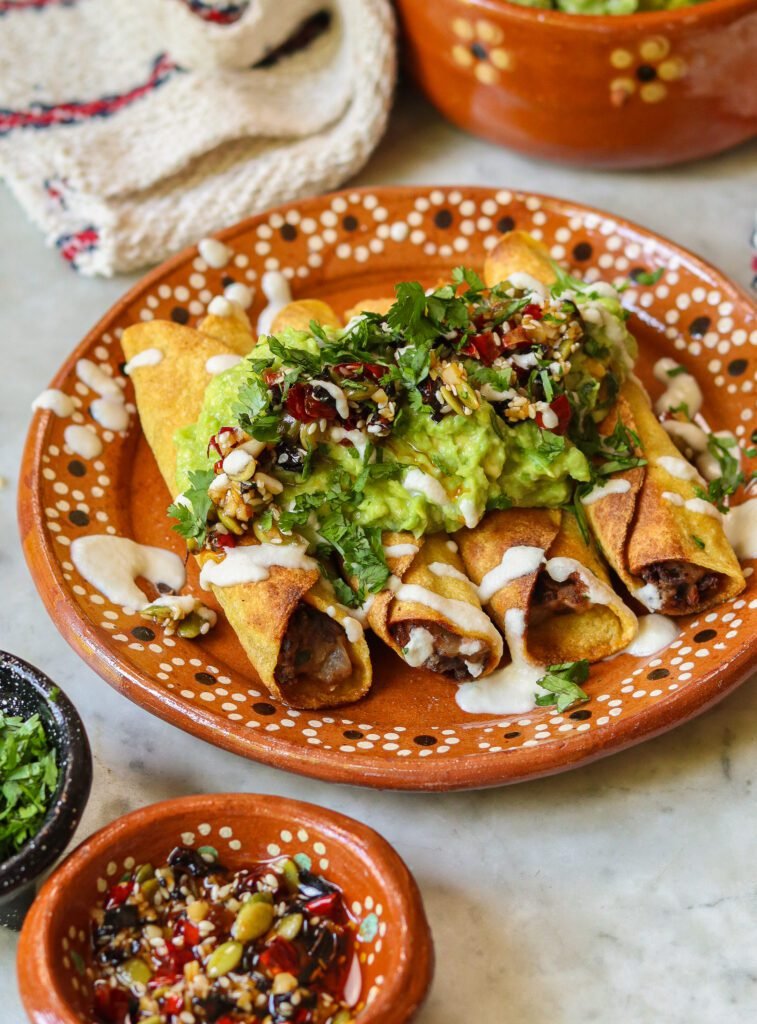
536,562
665,542
431,615
305,647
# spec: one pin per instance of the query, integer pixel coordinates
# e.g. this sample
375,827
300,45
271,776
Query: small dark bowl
25,690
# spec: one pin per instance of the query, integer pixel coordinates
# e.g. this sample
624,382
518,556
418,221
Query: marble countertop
623,891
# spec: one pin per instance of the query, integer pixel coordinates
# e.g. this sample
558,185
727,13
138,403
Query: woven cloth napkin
130,128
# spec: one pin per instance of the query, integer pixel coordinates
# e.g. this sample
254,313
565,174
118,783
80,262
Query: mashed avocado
458,466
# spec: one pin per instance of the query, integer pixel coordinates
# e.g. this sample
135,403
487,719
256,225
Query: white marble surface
624,891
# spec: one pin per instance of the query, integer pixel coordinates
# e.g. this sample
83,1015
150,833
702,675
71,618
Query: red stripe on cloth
9,6
41,115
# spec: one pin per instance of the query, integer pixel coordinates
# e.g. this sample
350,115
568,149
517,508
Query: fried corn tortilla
432,617
306,648
665,542
537,562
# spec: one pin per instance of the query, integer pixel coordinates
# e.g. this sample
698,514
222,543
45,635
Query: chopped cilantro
561,683
191,512
731,477
360,549
28,777
698,541
676,371
646,277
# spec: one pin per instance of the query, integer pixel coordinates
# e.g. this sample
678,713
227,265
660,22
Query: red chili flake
112,1004
214,441
163,980
226,1020
225,540
485,347
533,310
119,894
173,1003
516,339
272,377
301,404
218,466
175,959
561,408
187,930
323,905
280,957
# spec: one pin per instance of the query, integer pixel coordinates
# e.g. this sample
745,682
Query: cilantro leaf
465,275
360,549
561,683
731,476
191,510
646,278
28,779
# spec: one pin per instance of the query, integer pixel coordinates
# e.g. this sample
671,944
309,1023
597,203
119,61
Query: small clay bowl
624,91
394,948
25,690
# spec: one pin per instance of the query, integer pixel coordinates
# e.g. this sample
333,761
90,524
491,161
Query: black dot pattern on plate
78,517
163,588
352,734
736,367
505,224
288,232
754,437
226,280
699,327
646,73
582,715
512,735
478,51
122,368
349,223
143,633
180,315
425,741
704,635
77,468
264,709
582,251
205,678
658,673
443,218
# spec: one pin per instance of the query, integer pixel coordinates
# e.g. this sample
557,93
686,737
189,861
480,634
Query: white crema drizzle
112,564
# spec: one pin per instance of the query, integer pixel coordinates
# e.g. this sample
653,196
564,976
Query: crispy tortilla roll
666,543
536,561
234,330
305,647
517,252
432,618
298,315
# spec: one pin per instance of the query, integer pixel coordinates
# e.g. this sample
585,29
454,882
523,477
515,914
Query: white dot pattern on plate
688,310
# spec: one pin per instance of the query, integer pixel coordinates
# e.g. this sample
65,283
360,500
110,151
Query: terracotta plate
409,733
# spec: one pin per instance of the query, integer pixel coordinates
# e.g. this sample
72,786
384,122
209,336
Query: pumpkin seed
135,971
289,926
225,958
291,874
253,920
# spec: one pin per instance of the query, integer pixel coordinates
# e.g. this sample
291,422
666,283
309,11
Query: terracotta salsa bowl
635,90
393,946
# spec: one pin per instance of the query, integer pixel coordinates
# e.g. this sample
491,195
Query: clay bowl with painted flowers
615,91
388,963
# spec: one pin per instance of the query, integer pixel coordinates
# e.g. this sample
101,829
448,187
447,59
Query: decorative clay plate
408,733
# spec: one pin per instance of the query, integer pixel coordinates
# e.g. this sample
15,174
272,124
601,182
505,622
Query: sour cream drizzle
420,647
679,468
655,633
83,441
650,596
469,618
96,379
417,482
55,401
147,357
400,550
276,289
112,564
250,564
110,412
696,505
340,399
559,569
358,438
741,529
611,487
444,569
221,363
519,560
681,388
511,690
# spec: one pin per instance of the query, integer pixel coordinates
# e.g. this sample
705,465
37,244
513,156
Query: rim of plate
453,771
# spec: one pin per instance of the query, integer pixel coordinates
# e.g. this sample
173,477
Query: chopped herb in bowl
28,779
